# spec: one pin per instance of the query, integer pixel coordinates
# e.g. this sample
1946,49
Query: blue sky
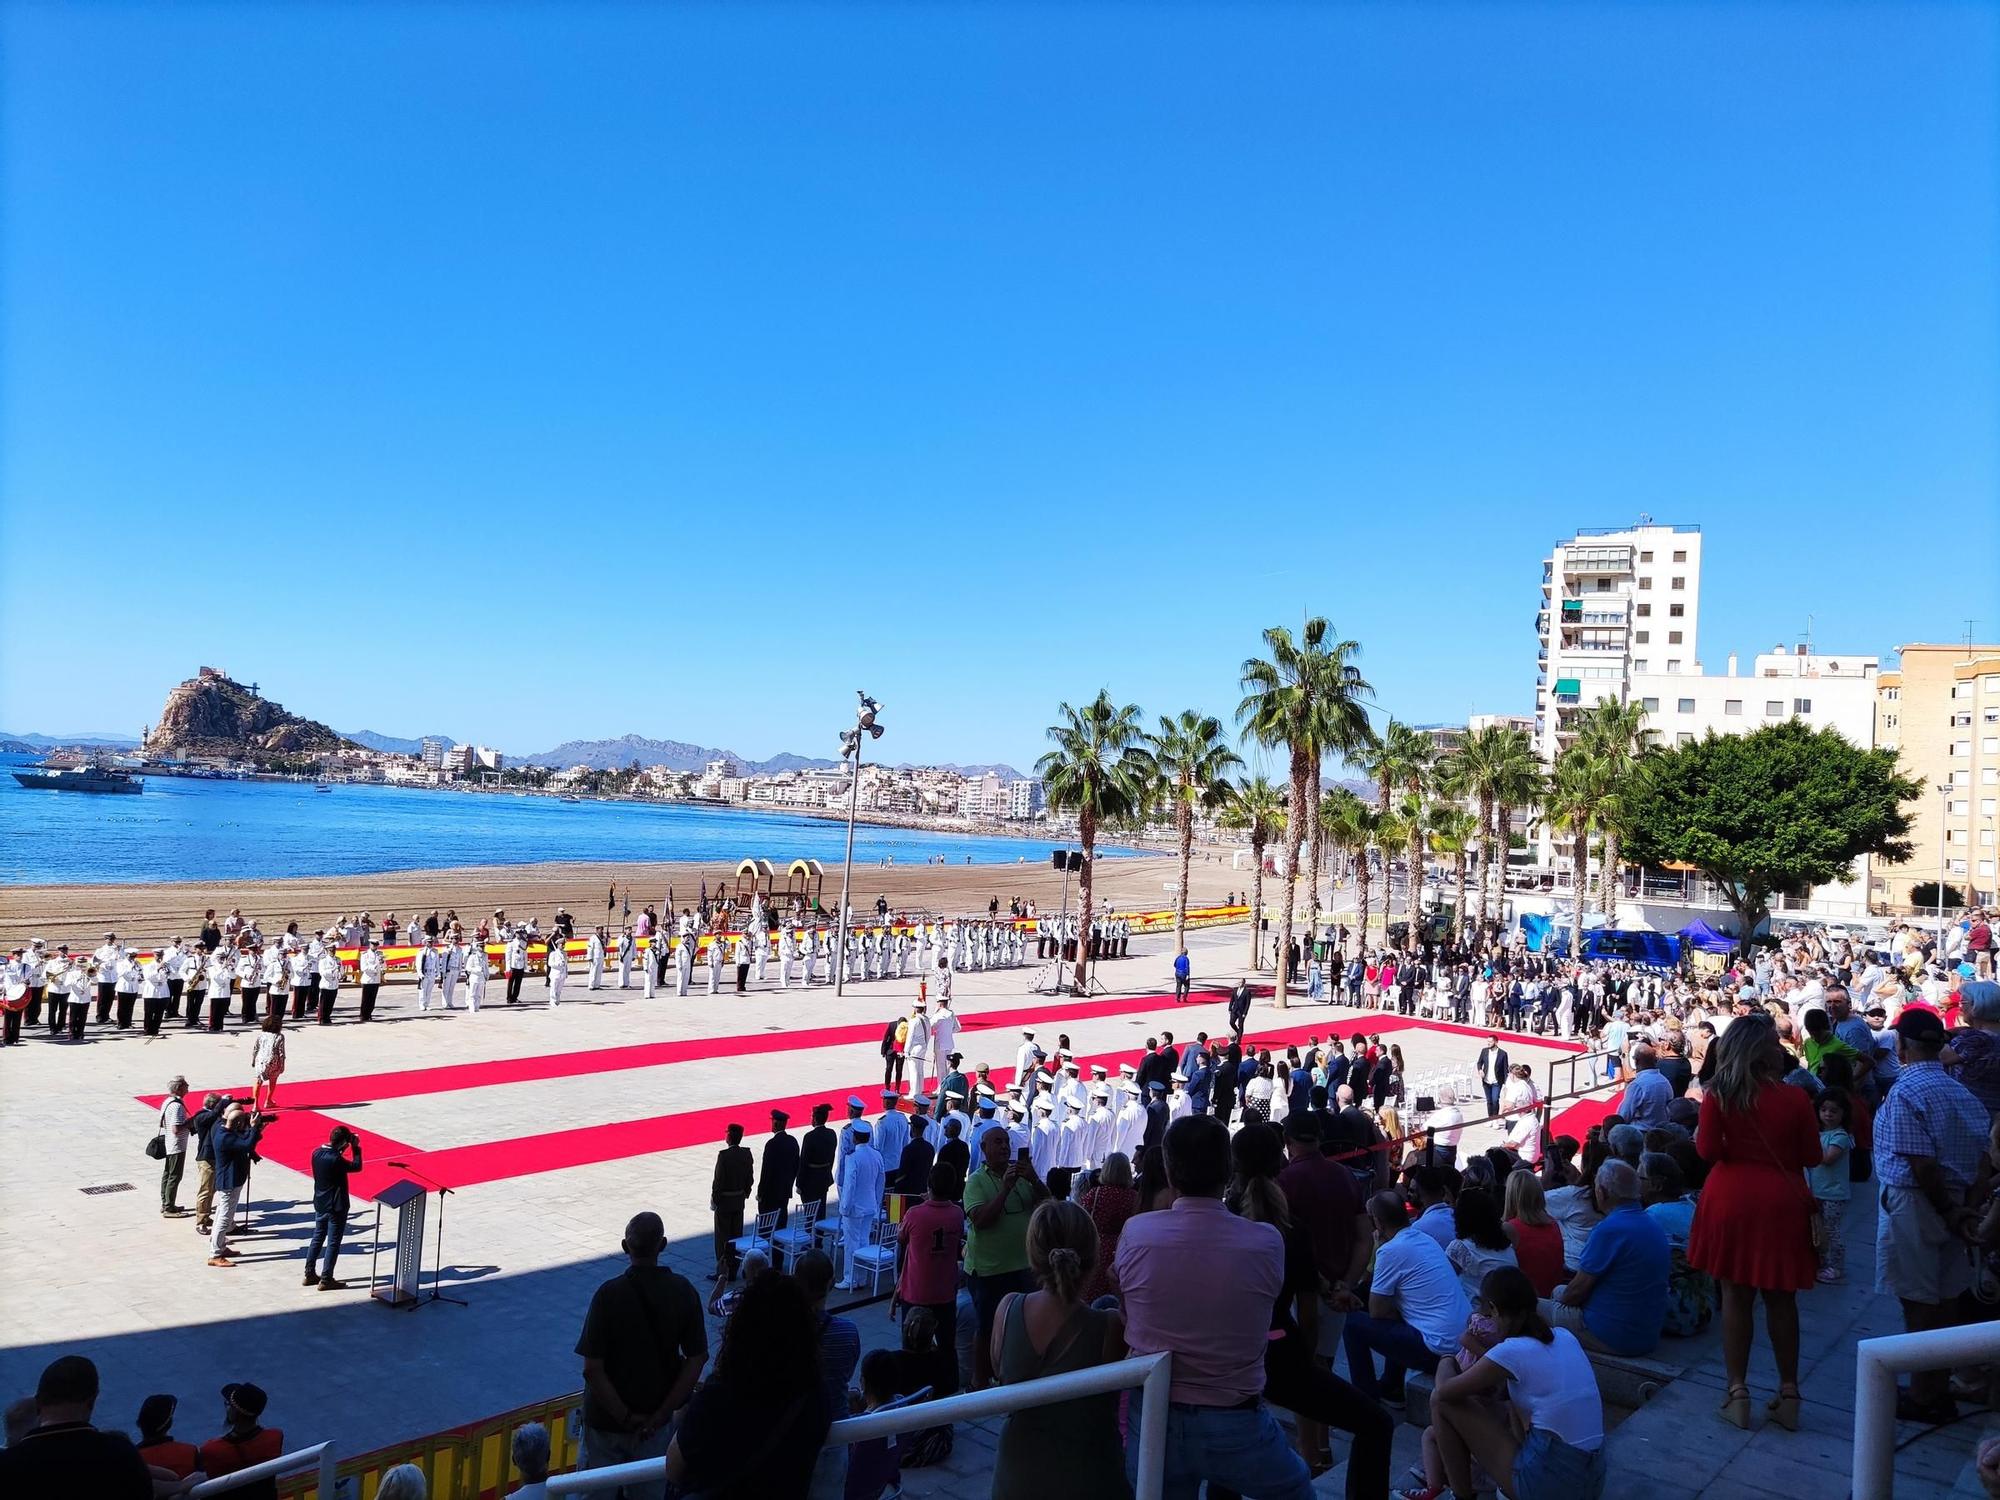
564,371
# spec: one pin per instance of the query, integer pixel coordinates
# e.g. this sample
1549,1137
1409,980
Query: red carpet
310,1107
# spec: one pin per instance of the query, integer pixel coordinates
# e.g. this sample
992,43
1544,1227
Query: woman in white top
1258,1092
1548,1378
267,1062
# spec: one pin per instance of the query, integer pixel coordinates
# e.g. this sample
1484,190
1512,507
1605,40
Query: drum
16,997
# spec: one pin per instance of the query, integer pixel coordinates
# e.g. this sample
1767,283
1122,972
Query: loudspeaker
1075,861
1057,860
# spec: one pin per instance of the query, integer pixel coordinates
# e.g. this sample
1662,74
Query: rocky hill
211,714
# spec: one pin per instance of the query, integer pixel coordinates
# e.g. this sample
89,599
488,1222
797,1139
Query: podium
407,1268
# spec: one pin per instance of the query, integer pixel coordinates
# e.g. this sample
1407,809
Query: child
1830,1185
872,1467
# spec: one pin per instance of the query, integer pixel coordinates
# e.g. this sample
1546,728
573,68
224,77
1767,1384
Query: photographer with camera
332,1164
234,1146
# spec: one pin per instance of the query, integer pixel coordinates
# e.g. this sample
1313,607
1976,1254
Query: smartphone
1021,1156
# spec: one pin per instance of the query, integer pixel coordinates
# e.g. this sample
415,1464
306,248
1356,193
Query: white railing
319,1455
1877,1362
1150,1373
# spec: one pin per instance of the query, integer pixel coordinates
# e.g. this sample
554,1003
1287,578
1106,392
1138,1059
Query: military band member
305,979
330,975
130,981
79,996
371,977
56,989
13,996
106,961
250,984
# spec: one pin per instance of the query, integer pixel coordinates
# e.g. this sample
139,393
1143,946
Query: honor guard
594,956
558,968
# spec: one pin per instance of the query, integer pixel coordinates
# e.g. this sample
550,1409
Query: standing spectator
754,1429
63,1456
1053,1331
1928,1140
245,1441
999,1198
1673,1064
1239,1008
1753,1223
1111,1202
1199,1282
643,1347
174,1128
1976,1045
729,1191
1324,1201
1557,1414
332,1164
1617,1299
1183,974
1416,1309
1649,1093
932,1236
201,1130
157,1444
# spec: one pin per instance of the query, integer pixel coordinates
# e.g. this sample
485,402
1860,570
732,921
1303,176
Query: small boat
321,786
570,799
79,779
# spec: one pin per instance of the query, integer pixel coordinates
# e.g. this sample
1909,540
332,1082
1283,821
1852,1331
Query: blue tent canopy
1699,935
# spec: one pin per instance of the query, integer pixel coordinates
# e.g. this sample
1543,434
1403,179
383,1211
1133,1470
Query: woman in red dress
1753,1223
1110,1204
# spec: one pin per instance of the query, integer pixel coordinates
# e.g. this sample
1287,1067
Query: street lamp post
850,750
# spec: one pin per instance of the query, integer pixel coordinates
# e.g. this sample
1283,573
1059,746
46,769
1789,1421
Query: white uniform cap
1044,1103
1179,1076
1097,1070
1100,1091
958,1094
1128,1070
1071,1067
985,1091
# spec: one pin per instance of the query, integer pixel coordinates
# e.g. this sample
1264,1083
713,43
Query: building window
1676,610
1989,776
1680,557
1892,694
1732,706
1961,747
1888,721
1986,838
1642,636
1673,664
1673,637
1986,867
1802,705
1774,708
1990,716
1961,690
1645,583
1956,809
1958,867
1955,836
1651,705
1645,557
1685,705
1639,665
1684,738
1678,583
1961,721
1645,610
1986,807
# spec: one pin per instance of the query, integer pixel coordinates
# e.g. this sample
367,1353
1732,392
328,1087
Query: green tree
1767,814
1575,793
1188,761
1495,767
1094,773
1257,809
1306,696
1452,830
1616,733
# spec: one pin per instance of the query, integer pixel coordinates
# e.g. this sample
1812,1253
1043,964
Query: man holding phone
332,1164
999,1199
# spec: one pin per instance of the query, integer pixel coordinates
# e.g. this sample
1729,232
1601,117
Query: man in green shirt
999,1198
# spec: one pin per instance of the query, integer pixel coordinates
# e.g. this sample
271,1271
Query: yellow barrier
461,1463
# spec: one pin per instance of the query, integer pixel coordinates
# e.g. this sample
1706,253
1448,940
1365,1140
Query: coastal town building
1940,710
1026,798
433,752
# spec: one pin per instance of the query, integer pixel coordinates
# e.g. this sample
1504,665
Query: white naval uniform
892,1134
860,1205
426,976
595,952
625,948
648,968
330,975
477,971
1024,1063
944,1029
1130,1127
558,969
917,1053
1179,1106
787,951
451,964
1069,1143
1045,1145
683,963
1097,1136
715,963
762,948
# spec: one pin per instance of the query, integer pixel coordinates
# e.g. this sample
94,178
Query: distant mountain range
679,755
30,744
389,744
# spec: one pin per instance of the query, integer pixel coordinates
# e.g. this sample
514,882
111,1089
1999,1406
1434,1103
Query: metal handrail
1876,1364
1151,1373
320,1455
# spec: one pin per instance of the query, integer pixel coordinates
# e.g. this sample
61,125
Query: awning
1568,686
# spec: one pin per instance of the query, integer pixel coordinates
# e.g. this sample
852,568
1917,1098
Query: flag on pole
628,903
611,897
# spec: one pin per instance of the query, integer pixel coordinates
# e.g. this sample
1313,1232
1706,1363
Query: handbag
156,1148
1816,1223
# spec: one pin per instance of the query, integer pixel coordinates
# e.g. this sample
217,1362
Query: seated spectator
1557,1411
244,1441
1447,1122
403,1482
753,1429
530,1452
63,1456
1480,1242
1626,1142
1575,1211
1691,1294
1416,1308
1538,1240
1673,1064
157,1444
1649,1093
839,1344
1433,1204
1199,1282
1617,1300
873,1465
1110,1202
1559,1168
1052,1331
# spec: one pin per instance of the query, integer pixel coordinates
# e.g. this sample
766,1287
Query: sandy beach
142,913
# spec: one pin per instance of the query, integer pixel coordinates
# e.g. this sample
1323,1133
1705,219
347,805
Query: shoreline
152,911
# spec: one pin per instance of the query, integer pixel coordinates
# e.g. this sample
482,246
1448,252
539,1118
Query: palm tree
1351,826
1516,786
1093,773
1257,808
1305,696
1411,758
1575,792
1617,734
1452,830
1189,762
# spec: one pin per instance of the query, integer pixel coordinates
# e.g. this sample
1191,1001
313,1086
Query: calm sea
180,829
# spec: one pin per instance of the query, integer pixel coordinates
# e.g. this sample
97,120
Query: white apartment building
434,749
983,797
1025,798
1615,602
1825,691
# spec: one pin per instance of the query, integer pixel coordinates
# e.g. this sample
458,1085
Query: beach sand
148,912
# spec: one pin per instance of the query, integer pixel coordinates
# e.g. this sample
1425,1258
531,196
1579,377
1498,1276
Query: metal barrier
471,1462
1151,1373
1877,1362
320,1455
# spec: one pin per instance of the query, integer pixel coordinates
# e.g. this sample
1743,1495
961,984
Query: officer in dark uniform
816,1153
778,1173
726,1196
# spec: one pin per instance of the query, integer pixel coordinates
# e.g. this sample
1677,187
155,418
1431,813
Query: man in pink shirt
1201,1283
932,1236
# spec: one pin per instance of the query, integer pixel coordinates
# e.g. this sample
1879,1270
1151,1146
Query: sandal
1783,1409
1736,1407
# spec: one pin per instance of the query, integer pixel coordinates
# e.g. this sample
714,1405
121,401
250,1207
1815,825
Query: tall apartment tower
1617,602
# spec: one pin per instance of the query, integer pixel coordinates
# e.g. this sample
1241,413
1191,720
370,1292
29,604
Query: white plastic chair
878,1256
759,1238
789,1243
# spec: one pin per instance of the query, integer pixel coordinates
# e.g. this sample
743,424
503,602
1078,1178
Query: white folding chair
877,1257
789,1243
759,1238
